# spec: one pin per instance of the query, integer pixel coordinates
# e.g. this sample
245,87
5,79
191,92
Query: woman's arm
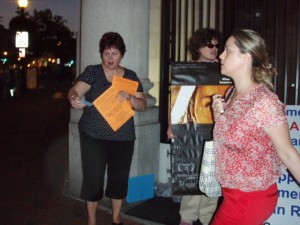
169,130
280,137
76,92
138,102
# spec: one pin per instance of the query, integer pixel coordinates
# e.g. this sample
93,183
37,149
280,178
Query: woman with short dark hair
101,146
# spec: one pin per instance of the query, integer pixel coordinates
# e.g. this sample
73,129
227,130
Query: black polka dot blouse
91,122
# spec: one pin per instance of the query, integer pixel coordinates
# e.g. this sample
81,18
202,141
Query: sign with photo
192,86
287,210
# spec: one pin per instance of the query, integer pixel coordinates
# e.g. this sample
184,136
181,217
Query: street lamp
22,3
22,40
22,36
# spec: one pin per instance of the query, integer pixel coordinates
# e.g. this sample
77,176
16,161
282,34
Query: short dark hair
112,40
200,38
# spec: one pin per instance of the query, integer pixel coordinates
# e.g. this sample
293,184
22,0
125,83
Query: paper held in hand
123,84
115,111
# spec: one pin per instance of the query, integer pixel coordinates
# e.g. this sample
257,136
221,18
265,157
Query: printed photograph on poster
191,91
192,104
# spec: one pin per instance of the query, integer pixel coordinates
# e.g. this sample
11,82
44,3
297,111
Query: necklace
109,73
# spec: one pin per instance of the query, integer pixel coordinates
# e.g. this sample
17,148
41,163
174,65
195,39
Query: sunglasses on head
211,45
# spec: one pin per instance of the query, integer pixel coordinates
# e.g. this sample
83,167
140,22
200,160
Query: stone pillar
130,18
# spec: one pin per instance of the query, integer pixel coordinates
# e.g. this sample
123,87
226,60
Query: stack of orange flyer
115,111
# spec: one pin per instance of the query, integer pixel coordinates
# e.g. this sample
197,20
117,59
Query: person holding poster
251,135
101,146
203,46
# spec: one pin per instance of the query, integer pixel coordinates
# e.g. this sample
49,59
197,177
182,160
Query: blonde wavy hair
249,41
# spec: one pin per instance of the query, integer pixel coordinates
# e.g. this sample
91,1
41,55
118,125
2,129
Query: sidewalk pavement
34,162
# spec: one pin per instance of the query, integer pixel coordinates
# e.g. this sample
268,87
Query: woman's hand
217,106
123,96
138,101
75,102
170,132
76,92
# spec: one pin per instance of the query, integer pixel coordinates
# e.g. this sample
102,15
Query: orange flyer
123,84
115,111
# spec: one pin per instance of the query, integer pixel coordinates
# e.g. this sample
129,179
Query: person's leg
189,208
207,208
93,159
91,208
118,167
116,209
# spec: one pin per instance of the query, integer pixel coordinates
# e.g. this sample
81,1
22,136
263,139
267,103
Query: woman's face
111,58
231,58
209,52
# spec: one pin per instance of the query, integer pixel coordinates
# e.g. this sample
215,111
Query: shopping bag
207,181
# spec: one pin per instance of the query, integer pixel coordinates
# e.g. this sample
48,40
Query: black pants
96,156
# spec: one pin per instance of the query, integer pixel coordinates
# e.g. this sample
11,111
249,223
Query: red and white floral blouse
245,156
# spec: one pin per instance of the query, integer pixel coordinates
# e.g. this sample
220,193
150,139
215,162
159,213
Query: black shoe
117,223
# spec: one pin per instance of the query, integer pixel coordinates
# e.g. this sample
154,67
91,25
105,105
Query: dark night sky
65,8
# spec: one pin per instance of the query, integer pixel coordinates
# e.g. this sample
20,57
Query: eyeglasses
211,45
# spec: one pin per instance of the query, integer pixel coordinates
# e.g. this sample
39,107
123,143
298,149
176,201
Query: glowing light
22,3
22,38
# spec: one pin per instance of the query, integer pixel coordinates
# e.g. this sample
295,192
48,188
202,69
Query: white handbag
207,181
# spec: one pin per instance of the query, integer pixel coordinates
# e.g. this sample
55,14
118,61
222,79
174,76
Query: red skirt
246,208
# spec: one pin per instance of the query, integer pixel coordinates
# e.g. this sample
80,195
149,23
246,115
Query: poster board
192,85
287,211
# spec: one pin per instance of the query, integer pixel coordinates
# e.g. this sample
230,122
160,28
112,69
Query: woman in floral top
251,137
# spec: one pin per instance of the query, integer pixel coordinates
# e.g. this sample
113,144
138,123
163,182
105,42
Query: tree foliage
54,34
48,34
